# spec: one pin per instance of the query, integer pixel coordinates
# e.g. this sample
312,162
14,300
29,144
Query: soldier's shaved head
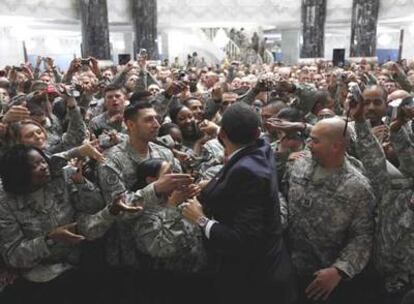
333,128
328,143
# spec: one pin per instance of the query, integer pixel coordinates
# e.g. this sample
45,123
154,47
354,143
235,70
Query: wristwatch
202,221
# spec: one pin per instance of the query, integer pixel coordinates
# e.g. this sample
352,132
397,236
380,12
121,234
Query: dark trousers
65,289
131,286
408,297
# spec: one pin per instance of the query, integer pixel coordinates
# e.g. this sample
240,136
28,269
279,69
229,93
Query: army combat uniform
394,236
75,134
329,218
154,237
102,123
26,219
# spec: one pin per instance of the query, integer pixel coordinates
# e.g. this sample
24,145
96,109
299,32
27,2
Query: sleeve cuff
149,195
107,215
343,268
42,246
208,227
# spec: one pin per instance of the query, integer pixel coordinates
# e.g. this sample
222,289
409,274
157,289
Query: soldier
394,236
330,222
112,118
39,235
32,132
119,175
183,240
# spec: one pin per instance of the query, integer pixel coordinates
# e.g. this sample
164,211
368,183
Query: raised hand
16,113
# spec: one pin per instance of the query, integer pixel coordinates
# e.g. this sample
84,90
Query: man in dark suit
239,216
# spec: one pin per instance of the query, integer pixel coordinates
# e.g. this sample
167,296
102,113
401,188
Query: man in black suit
239,216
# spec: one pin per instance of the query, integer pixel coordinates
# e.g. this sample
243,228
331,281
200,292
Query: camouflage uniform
157,238
118,174
162,233
101,123
145,80
311,118
330,221
212,154
73,137
54,130
96,107
210,173
25,221
305,97
394,237
162,103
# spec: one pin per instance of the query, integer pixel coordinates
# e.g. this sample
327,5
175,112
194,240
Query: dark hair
240,123
290,114
322,97
132,110
147,168
278,104
166,128
35,109
186,102
174,112
139,96
408,297
113,87
16,169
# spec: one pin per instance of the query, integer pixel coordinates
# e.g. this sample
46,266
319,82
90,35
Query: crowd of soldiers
97,163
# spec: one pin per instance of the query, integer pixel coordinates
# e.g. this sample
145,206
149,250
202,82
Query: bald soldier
330,221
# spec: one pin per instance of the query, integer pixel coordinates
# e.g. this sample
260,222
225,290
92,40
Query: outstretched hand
66,234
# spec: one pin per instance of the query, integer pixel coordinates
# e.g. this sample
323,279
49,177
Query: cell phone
392,110
17,69
356,95
396,106
85,61
143,54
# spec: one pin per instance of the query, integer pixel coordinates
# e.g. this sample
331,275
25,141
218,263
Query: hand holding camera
401,112
75,66
17,113
142,58
175,88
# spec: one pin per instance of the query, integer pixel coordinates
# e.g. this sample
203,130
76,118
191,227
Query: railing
210,33
232,50
268,57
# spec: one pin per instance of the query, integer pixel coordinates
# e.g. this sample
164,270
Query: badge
112,179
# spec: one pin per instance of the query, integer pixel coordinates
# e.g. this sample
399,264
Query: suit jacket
252,261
